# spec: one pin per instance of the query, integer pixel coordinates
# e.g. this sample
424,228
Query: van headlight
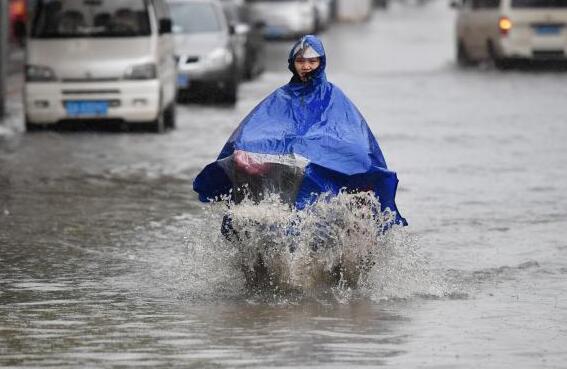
219,58
141,71
39,73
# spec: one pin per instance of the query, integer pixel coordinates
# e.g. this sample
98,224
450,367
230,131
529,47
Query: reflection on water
90,326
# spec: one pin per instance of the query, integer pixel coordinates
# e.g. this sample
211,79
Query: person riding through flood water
303,140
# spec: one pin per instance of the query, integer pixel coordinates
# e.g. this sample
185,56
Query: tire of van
33,127
499,62
158,125
463,58
170,116
503,64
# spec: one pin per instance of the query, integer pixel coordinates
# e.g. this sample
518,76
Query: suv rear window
194,17
91,18
539,3
485,4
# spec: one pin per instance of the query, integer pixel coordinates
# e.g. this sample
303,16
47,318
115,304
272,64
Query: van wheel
33,127
503,64
499,62
463,57
158,125
170,116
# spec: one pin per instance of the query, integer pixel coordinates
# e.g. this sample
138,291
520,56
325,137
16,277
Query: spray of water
341,243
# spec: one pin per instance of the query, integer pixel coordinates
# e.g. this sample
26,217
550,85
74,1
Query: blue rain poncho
304,139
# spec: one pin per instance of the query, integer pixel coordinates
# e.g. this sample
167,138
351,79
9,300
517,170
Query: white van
507,30
100,60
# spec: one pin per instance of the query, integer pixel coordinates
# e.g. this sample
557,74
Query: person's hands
245,163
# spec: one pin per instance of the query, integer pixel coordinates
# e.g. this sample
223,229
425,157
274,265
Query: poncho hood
311,127
308,46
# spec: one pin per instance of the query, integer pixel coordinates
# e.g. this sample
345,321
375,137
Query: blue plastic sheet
310,126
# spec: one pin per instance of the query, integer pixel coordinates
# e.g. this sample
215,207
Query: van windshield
539,3
91,18
194,17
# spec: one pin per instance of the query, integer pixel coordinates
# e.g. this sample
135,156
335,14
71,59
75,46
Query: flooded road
107,259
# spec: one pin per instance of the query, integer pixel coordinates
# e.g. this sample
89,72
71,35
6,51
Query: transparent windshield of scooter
259,175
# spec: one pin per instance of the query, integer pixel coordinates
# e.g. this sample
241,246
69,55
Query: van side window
162,11
163,15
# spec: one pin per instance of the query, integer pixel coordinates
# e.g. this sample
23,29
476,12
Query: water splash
209,268
341,244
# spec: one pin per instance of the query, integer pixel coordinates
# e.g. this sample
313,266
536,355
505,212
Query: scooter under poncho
304,139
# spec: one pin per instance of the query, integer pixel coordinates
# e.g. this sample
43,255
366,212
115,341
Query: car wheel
249,73
170,116
181,97
317,27
498,61
230,92
503,64
463,57
256,66
33,127
158,125
249,67
254,71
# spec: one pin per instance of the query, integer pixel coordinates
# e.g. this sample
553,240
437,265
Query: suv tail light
504,25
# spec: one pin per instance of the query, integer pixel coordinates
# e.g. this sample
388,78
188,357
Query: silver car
207,59
249,37
285,18
324,13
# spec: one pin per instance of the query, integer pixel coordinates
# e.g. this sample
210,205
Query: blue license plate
182,81
86,108
548,30
274,31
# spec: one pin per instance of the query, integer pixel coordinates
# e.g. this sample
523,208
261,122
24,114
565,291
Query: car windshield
539,3
194,18
91,18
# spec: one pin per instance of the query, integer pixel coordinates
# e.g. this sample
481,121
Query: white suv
285,18
506,30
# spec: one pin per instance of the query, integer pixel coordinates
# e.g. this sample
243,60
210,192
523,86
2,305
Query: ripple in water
339,244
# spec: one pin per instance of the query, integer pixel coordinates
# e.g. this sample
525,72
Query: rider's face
303,66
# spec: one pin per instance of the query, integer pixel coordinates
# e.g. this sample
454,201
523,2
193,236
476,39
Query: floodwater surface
107,259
